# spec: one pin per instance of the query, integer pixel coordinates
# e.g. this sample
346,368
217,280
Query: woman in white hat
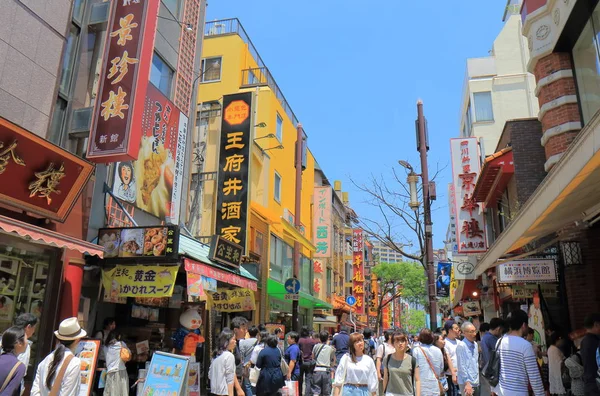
59,372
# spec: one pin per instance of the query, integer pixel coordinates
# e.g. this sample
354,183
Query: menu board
139,242
87,351
166,375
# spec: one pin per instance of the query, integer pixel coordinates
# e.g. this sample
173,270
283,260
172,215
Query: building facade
385,254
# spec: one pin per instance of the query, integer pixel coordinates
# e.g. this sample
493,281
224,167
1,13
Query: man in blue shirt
488,344
340,343
467,356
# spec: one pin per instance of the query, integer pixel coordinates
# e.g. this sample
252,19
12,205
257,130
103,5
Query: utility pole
297,223
422,146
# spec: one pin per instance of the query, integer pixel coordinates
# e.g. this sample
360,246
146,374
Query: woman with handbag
269,361
255,371
59,373
12,371
117,354
356,374
222,368
431,365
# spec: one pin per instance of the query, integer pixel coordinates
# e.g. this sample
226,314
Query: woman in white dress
555,358
222,369
431,364
117,380
356,374
50,373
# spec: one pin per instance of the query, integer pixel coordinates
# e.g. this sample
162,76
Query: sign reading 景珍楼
322,221
470,221
232,182
115,131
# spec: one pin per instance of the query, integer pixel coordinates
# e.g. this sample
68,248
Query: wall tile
41,92
35,121
11,108
49,51
26,32
16,76
7,17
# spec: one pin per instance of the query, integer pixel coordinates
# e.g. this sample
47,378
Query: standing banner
358,271
167,374
140,280
87,351
443,278
234,163
115,130
470,221
322,231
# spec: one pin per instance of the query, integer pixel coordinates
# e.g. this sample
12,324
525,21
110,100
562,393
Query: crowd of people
456,359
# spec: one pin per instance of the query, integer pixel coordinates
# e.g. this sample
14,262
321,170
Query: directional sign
292,285
351,300
292,297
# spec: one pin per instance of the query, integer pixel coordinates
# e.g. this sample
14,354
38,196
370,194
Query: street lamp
412,180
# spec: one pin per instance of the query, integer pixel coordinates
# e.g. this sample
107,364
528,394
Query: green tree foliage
413,320
404,279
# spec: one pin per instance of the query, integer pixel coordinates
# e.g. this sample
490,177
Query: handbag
59,377
440,385
10,376
285,369
491,371
253,375
125,354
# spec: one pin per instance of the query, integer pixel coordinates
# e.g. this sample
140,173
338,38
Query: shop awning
328,321
297,236
567,194
199,252
277,290
47,237
495,175
263,212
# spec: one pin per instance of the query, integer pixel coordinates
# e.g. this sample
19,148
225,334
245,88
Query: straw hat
70,330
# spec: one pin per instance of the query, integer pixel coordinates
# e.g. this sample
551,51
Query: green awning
277,290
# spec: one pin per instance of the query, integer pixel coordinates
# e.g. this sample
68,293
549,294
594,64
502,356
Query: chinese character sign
358,271
225,252
470,221
140,280
528,270
154,182
236,300
322,221
115,131
232,182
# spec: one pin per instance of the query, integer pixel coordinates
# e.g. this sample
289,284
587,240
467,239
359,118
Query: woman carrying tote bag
117,354
59,373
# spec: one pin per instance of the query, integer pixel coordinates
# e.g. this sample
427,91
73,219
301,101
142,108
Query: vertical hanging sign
232,183
470,222
116,128
322,222
358,274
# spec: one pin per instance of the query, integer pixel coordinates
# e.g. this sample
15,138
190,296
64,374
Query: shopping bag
253,376
292,387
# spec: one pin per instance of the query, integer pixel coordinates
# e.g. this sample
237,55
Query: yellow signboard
236,300
140,281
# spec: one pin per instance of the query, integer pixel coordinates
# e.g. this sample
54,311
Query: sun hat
69,330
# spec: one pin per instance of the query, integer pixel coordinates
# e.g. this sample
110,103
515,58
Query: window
306,274
586,61
467,129
277,188
279,131
328,289
281,260
483,106
58,120
66,73
161,75
211,69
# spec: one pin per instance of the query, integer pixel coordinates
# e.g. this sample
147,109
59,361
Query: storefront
172,301
41,233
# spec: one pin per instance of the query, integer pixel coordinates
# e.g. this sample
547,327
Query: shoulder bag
285,369
10,376
491,371
59,377
125,353
440,385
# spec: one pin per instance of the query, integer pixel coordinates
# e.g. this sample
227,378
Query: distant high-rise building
385,254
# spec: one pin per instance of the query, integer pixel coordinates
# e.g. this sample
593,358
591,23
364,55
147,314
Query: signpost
351,300
292,286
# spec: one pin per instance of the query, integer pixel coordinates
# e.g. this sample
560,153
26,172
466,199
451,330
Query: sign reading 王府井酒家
470,221
358,274
527,270
115,131
322,222
234,163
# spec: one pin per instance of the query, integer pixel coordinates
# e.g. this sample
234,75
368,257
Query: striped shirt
518,368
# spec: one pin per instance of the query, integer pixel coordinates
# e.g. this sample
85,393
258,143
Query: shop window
586,61
279,128
211,69
161,75
483,106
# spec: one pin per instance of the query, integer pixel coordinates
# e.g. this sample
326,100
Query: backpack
565,375
413,364
370,347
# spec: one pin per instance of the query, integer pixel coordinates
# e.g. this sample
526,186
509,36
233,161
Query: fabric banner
442,283
140,281
237,300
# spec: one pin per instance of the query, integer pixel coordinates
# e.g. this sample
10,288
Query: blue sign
351,300
166,374
292,285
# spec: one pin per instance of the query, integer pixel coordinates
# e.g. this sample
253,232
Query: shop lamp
475,294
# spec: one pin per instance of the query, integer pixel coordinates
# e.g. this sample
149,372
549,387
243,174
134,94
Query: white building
384,254
498,88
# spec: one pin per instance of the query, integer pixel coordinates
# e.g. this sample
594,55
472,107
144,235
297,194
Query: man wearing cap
452,334
59,371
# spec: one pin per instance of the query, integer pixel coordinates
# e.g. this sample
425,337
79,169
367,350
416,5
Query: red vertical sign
358,271
116,132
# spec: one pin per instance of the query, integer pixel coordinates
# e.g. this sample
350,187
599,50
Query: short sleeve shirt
384,350
293,353
400,376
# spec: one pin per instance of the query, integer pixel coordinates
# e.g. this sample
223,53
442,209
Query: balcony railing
259,76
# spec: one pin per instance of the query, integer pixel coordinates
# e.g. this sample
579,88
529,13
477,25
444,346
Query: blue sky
352,72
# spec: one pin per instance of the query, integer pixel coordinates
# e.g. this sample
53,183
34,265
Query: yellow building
231,64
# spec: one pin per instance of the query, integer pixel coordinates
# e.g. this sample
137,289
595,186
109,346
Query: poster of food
195,288
153,183
139,242
132,242
166,375
194,379
110,239
471,308
87,352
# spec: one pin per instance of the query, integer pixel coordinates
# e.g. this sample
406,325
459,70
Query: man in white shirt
452,334
382,353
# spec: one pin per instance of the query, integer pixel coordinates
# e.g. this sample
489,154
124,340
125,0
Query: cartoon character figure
188,336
